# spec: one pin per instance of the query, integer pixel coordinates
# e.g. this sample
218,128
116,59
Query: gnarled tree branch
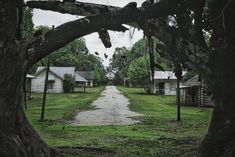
112,18
195,56
77,8
67,32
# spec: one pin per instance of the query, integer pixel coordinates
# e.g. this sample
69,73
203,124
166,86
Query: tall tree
120,61
184,41
28,25
123,58
138,71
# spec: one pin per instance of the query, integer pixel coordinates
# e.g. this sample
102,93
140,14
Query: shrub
69,83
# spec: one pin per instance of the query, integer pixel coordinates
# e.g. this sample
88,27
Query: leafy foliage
69,83
127,65
74,54
138,71
121,61
27,22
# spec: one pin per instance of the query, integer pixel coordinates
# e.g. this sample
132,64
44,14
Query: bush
69,83
138,72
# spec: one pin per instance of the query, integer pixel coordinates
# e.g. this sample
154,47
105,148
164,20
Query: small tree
138,72
69,83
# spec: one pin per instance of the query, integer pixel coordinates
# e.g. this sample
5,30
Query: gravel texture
111,108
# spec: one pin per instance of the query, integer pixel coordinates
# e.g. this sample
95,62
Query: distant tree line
134,65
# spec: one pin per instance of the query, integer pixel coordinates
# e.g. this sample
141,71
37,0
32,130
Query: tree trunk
17,137
220,139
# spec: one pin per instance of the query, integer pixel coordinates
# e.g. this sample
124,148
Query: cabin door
161,88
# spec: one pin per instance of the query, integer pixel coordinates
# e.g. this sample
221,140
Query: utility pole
84,87
45,89
178,74
178,99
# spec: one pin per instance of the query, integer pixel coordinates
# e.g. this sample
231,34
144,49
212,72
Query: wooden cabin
165,82
195,93
110,78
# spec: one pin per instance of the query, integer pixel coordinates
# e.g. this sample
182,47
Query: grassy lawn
158,134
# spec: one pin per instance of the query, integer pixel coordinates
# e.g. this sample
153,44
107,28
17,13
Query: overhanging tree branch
195,56
67,32
77,8
88,9
112,18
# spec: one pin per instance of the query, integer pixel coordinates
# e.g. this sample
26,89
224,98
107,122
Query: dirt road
111,108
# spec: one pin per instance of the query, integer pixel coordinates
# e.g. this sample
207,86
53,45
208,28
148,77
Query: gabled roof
166,75
58,71
88,75
79,78
192,81
110,75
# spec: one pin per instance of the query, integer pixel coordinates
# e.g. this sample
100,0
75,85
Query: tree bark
113,20
220,139
17,137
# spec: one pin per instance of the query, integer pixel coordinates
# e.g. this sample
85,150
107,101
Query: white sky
92,41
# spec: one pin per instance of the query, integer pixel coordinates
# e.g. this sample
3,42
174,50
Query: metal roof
166,75
110,75
79,78
59,71
192,81
88,75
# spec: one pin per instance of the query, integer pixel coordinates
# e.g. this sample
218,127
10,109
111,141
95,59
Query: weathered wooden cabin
56,79
89,76
165,82
194,92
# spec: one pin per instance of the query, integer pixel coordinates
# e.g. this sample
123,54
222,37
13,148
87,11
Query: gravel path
111,108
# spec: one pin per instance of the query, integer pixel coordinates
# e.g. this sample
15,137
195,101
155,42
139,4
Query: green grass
158,134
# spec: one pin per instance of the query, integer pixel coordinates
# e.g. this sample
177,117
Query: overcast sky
92,41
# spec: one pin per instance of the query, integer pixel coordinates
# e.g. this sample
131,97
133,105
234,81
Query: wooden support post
178,74
178,99
45,90
84,86
30,89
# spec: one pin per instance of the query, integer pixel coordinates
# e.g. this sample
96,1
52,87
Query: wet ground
111,108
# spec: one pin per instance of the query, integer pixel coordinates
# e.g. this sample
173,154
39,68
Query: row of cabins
193,92
56,78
